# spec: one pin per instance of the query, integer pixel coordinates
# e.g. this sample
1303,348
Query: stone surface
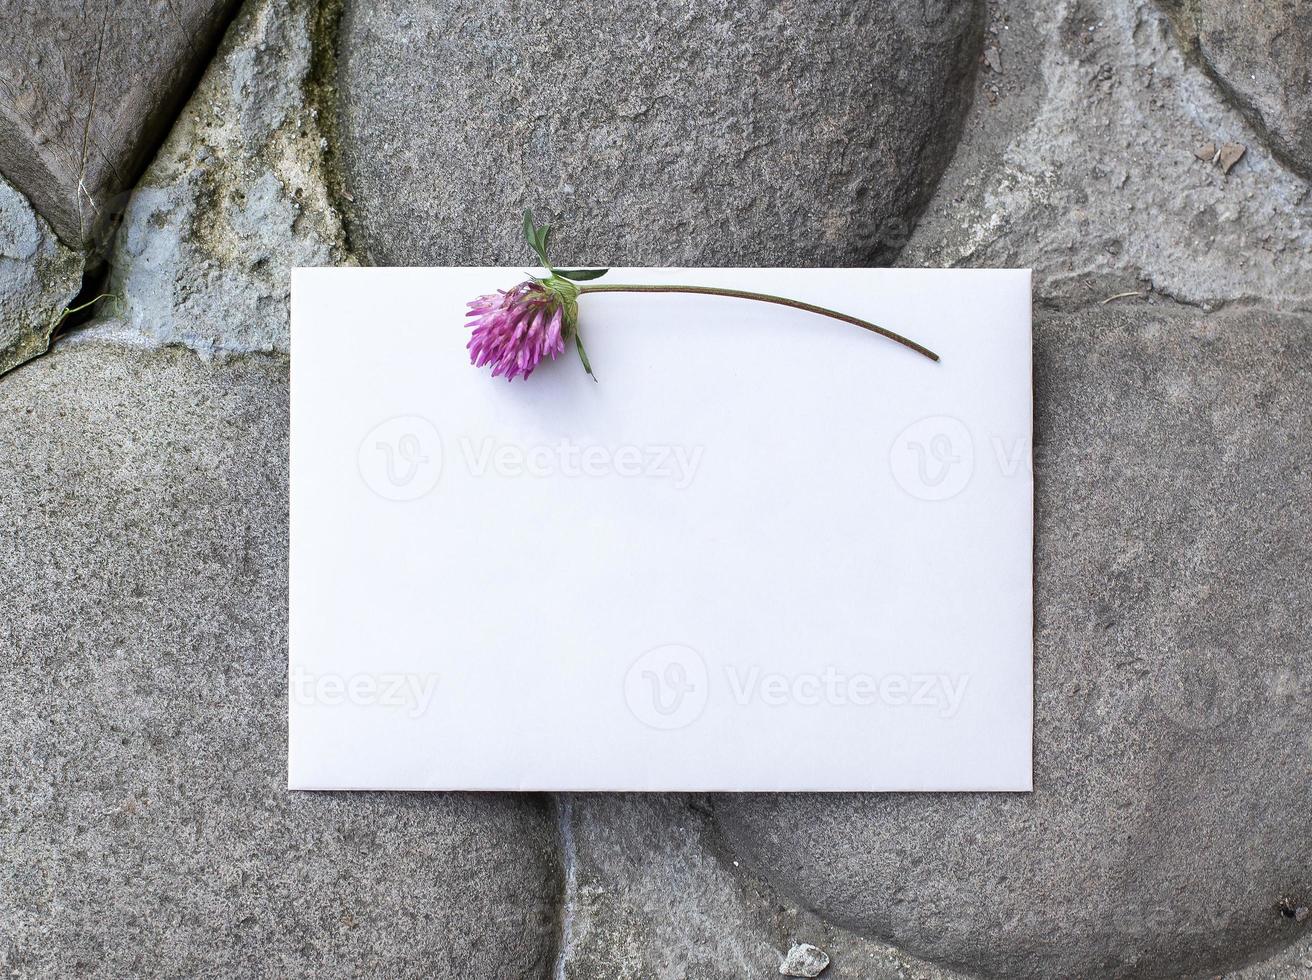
87,90
1080,162
651,894
236,197
1260,53
38,278
714,133
145,825
1170,826
1294,963
144,829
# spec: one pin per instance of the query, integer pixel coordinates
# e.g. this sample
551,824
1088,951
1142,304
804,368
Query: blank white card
763,551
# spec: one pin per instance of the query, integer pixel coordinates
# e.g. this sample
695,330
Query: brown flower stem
763,298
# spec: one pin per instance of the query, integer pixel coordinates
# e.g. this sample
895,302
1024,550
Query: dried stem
763,298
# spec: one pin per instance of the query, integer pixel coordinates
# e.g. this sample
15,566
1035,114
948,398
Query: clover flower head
514,329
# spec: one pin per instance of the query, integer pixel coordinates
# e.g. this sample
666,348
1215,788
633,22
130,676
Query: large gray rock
651,895
1260,51
713,133
1291,963
1078,160
145,825
86,89
38,277
235,198
1170,830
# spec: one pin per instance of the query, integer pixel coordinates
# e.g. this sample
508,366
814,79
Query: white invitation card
763,550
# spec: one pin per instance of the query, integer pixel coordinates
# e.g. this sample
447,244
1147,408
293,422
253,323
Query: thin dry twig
1112,299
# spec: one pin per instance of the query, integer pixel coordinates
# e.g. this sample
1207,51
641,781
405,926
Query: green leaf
581,275
536,236
583,355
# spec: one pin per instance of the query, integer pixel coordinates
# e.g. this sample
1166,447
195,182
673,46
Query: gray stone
713,133
1080,163
1170,828
651,893
1260,52
38,278
1294,963
236,197
86,90
145,824
804,960
144,828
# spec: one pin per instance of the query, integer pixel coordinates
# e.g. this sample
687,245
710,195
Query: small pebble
804,960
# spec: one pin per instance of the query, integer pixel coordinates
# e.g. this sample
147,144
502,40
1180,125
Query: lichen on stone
237,197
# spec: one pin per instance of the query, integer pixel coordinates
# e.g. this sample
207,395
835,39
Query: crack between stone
569,858
320,91
86,126
182,29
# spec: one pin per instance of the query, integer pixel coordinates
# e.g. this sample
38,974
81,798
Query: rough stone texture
651,894
1078,161
235,199
144,829
1171,826
709,133
1260,52
1294,963
145,825
38,277
86,89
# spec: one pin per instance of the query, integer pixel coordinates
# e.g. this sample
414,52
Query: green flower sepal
561,284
